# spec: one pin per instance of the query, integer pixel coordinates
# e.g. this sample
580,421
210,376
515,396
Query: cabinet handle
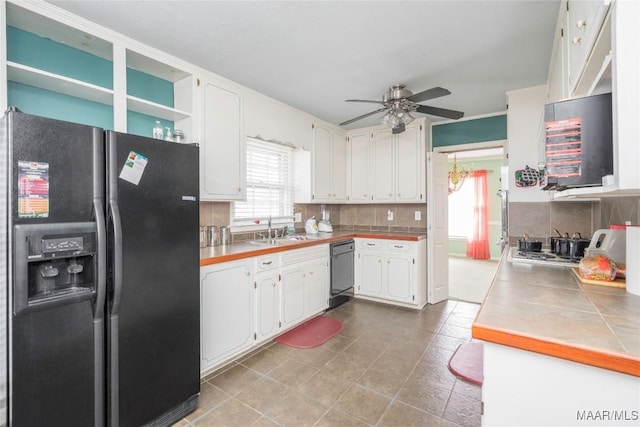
267,263
398,246
273,284
371,244
576,41
581,24
390,195
310,273
364,195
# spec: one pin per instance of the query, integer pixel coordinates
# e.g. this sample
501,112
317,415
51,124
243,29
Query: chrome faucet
269,230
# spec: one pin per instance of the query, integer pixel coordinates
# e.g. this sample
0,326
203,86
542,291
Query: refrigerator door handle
117,257
98,317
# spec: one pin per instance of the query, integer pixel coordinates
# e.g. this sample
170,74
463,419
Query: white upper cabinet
604,56
410,175
222,150
398,171
358,166
584,21
271,120
321,174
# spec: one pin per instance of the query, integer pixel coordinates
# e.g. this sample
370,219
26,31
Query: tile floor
387,367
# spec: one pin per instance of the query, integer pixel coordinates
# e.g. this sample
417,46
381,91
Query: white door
339,167
292,305
316,287
267,305
383,170
222,151
322,172
359,162
399,278
408,166
437,228
370,274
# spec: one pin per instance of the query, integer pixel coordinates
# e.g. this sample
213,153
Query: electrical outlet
418,215
297,217
389,215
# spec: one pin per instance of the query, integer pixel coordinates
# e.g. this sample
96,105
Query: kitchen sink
283,240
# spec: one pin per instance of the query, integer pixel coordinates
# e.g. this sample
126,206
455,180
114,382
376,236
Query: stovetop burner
543,257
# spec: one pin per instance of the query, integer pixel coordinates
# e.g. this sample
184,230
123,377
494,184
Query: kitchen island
558,352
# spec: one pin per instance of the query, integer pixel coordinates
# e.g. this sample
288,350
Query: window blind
269,183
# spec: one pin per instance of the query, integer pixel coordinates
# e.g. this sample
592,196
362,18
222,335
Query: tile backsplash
346,217
539,219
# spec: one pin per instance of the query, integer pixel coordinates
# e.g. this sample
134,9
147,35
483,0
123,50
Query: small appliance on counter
610,242
324,226
311,226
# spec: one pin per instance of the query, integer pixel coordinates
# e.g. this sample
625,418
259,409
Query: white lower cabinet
227,311
305,283
267,285
391,271
247,302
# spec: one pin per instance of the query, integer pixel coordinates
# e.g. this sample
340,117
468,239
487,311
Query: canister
213,235
225,235
203,237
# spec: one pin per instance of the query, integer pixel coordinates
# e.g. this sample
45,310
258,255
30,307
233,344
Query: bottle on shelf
168,137
158,132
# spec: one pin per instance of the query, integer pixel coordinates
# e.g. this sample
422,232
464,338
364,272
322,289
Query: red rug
466,362
311,333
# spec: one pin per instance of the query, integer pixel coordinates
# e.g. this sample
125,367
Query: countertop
547,310
243,249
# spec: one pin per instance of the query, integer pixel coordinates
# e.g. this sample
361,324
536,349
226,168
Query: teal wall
458,246
492,128
44,54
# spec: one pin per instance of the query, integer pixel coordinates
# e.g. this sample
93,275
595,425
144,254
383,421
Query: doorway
469,278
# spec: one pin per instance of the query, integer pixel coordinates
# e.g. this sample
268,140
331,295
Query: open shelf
156,110
56,83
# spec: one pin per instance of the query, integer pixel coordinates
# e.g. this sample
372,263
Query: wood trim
256,251
618,362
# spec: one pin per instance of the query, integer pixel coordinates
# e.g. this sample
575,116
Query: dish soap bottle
157,130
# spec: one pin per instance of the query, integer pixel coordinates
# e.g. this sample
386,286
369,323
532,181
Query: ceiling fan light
407,118
395,121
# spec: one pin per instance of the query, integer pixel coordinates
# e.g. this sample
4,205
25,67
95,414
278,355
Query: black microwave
578,142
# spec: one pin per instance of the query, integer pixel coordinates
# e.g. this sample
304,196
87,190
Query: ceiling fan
399,103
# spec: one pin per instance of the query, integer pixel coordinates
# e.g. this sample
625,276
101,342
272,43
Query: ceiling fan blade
362,116
434,92
363,100
442,112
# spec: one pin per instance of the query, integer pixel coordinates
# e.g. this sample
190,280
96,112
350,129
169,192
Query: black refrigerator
102,292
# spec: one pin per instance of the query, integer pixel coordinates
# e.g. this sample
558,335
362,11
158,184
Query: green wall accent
142,124
44,54
469,131
35,51
41,102
149,87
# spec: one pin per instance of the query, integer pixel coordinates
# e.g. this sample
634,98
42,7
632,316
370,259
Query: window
461,210
269,184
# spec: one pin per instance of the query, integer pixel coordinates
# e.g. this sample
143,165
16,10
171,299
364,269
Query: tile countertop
240,250
546,310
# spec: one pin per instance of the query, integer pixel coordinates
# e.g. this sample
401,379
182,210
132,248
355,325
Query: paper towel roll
633,259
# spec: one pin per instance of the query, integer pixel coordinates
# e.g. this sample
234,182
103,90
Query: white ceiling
313,55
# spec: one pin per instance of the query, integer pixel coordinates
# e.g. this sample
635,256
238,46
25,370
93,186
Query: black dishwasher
342,280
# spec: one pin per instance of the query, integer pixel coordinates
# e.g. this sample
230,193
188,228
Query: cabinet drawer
305,254
371,245
266,263
399,246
